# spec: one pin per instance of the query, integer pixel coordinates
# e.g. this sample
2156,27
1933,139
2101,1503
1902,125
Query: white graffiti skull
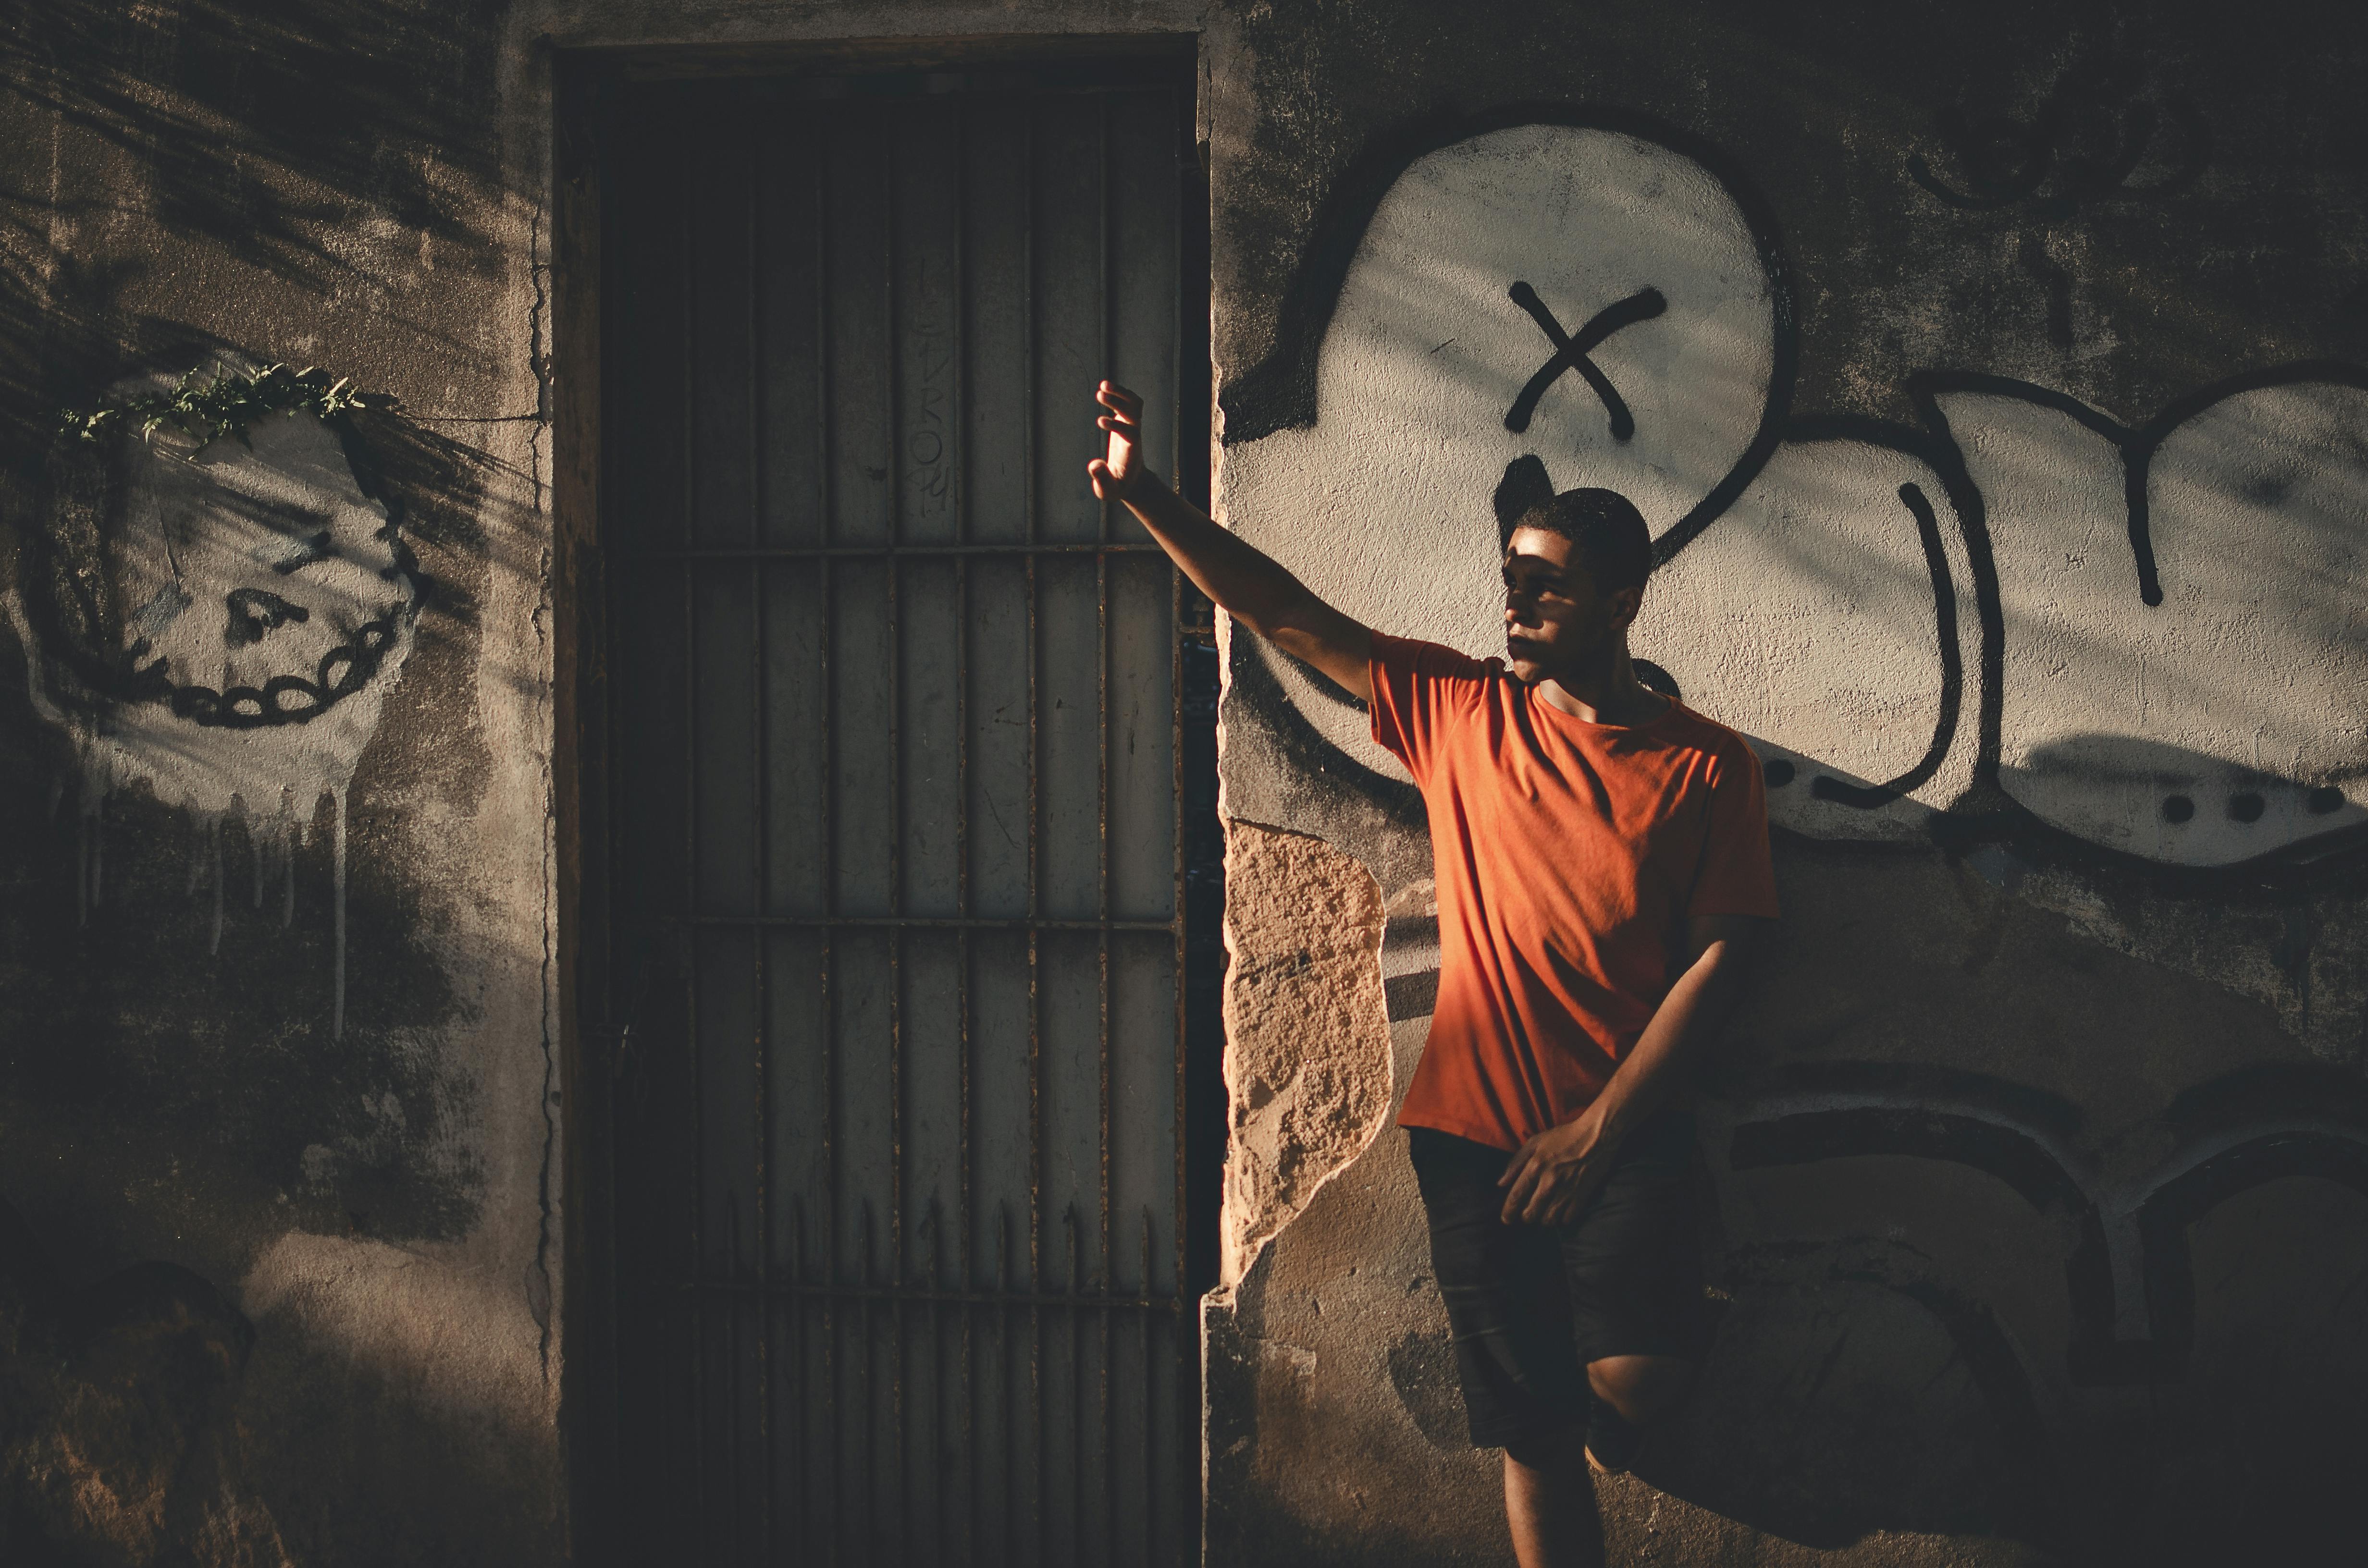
1831,609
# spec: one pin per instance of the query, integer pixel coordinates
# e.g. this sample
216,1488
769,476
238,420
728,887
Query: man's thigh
1508,1307
1529,1307
1632,1261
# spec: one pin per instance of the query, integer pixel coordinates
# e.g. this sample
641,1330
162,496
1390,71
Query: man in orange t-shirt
1603,868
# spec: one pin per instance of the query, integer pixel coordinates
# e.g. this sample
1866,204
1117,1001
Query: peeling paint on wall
1307,1058
2058,697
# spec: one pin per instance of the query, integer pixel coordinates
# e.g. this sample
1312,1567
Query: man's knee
1641,1388
1553,1452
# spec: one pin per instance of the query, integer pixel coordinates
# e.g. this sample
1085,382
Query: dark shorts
1531,1305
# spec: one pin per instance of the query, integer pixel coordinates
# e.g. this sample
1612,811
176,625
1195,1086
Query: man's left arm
1549,1178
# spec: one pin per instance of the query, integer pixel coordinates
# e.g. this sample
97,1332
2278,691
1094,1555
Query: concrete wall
282,1129
1991,379
273,1101
1998,417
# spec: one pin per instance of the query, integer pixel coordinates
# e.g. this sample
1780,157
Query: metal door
902,866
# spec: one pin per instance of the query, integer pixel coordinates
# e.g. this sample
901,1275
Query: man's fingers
1512,1203
1519,1199
1513,1164
1113,396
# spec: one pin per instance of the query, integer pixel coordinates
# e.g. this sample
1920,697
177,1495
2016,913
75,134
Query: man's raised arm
1250,585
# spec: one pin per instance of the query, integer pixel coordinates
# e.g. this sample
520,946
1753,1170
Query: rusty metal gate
911,855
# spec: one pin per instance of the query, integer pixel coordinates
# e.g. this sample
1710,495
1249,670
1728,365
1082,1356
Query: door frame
589,1042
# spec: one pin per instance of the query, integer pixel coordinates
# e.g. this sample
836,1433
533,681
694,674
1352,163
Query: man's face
1556,620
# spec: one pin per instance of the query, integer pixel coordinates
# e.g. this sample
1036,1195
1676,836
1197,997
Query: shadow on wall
1864,1383
205,902
226,984
1987,615
1852,1393
2131,650
162,1101
119,1437
1882,1372
227,955
137,1427
334,146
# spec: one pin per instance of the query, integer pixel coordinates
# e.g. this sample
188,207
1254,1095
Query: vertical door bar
1106,303
1186,1332
889,385
1035,855
825,522
759,796
696,1307
959,424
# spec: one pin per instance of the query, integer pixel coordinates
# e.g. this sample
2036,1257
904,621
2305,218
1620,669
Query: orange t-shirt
1569,856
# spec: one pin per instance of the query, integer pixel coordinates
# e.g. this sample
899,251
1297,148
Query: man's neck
1607,694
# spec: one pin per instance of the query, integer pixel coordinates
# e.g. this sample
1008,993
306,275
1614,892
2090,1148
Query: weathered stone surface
1307,1058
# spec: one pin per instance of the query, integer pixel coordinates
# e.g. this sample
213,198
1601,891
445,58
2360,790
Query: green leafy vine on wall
202,410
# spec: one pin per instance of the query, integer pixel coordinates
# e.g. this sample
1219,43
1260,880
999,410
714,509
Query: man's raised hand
1249,585
1115,472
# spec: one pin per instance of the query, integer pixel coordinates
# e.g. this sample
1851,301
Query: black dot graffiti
1570,354
2177,808
1779,771
2247,807
2324,800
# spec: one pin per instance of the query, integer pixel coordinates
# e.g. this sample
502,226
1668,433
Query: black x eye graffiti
1570,354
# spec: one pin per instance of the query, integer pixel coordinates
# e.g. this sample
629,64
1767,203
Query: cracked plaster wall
344,186
363,186
1307,1058
2036,1163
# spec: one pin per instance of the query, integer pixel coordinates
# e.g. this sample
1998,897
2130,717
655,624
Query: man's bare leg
1549,1496
1641,1387
1550,1503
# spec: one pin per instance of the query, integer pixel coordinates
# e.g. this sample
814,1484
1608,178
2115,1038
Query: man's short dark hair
1606,532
